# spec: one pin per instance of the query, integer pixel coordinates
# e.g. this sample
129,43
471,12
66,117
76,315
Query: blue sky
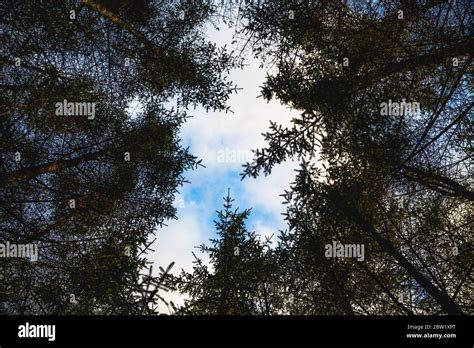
210,136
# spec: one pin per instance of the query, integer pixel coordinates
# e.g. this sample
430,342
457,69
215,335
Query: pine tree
397,182
240,276
90,190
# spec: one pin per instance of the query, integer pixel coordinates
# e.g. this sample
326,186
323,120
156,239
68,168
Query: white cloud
266,232
134,108
208,134
265,191
175,243
241,131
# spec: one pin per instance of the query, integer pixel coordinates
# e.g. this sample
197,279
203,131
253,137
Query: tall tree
396,181
89,184
240,278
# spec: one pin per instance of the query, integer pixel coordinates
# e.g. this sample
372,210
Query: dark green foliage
121,169
240,278
399,184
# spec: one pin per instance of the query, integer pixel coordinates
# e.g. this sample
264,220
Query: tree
89,184
241,276
398,181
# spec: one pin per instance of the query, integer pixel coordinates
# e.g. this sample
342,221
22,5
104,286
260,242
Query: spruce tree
90,189
397,182
240,276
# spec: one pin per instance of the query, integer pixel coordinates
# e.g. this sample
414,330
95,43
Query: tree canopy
381,98
89,189
398,182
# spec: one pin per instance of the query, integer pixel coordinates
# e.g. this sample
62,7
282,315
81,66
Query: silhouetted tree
241,276
90,190
397,182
